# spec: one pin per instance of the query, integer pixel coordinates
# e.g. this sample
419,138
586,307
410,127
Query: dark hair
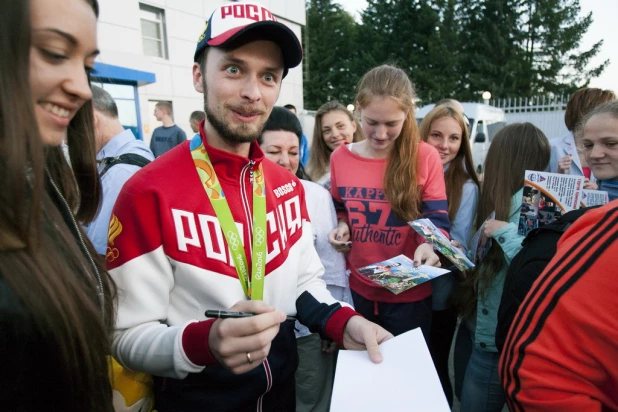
516,148
290,106
582,101
40,259
461,167
197,116
104,102
283,119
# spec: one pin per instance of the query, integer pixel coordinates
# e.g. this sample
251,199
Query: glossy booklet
441,243
398,274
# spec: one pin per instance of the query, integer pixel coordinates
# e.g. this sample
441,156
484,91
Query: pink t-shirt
377,233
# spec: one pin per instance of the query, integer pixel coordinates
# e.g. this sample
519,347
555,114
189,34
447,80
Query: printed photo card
399,274
441,243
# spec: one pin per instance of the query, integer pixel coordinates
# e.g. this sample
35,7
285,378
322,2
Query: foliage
329,43
450,48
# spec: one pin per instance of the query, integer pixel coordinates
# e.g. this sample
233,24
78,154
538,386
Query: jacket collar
516,203
568,146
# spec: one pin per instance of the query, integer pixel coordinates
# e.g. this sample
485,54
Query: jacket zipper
83,244
248,169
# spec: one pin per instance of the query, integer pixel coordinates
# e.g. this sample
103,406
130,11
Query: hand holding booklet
441,243
399,274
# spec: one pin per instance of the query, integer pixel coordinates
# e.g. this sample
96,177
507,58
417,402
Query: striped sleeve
342,213
434,205
561,352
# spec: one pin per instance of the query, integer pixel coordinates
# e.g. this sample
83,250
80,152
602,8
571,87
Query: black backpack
539,247
127,158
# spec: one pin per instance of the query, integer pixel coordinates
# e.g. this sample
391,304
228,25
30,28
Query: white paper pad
406,380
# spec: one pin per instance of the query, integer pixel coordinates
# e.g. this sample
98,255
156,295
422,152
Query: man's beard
243,134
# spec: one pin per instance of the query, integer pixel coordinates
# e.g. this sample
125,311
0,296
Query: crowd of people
111,254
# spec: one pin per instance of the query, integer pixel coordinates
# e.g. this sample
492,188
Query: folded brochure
399,274
547,196
441,243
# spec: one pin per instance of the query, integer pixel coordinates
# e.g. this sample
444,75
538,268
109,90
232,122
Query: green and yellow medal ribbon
253,285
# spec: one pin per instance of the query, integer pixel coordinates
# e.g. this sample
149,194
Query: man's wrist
195,343
336,324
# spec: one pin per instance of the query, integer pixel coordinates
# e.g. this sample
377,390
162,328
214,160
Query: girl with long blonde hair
379,185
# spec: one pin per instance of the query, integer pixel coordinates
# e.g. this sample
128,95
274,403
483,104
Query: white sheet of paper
406,380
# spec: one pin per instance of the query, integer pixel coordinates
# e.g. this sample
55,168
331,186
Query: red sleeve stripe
557,279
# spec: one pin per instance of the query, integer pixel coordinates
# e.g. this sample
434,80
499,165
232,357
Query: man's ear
197,78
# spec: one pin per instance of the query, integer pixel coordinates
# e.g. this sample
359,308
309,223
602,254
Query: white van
485,122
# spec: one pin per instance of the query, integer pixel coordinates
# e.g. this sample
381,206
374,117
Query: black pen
224,314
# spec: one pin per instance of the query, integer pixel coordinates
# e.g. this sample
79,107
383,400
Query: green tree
553,30
404,33
329,42
490,54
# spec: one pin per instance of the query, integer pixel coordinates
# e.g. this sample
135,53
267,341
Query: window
153,31
125,98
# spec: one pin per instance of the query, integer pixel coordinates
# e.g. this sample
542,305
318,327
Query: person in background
560,353
516,148
445,128
566,156
195,119
304,146
112,141
374,197
280,142
56,300
334,126
167,136
216,226
598,135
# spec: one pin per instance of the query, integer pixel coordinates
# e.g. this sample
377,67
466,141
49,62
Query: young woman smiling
56,300
334,127
598,134
374,198
445,129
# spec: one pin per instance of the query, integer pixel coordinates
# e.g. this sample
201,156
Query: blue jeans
481,390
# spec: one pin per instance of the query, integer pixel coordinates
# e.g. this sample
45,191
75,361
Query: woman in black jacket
56,300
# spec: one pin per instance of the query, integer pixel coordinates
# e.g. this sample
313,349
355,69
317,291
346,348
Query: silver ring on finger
249,358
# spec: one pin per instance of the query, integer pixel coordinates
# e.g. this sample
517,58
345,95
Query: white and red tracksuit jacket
170,261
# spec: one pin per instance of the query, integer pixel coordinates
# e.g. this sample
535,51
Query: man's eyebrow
236,60
68,37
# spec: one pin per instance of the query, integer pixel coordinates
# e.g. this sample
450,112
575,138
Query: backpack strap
127,158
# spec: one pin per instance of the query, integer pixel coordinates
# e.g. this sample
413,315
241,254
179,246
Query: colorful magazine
398,274
547,196
480,243
441,243
594,198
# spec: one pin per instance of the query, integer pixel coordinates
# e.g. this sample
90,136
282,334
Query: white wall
120,42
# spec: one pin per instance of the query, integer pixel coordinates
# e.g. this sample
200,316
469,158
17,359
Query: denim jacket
489,300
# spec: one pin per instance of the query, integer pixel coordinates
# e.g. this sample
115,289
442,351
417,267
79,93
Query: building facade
147,49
